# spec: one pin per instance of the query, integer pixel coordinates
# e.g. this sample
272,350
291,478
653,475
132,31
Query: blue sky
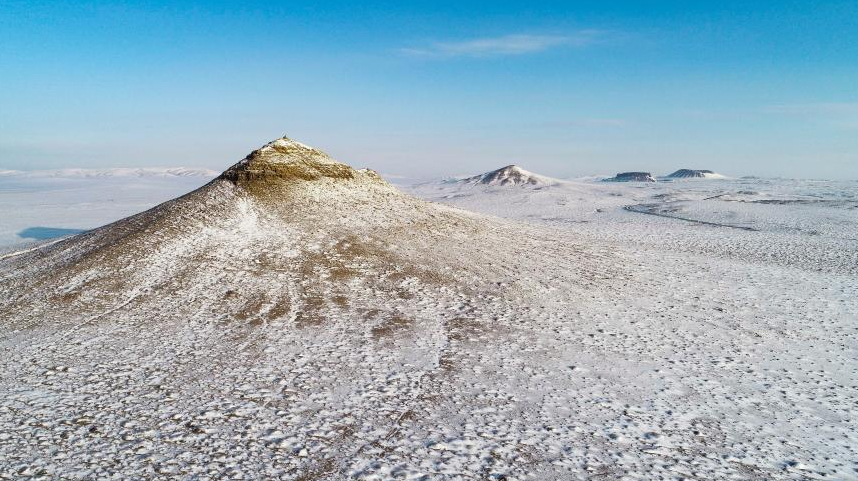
425,89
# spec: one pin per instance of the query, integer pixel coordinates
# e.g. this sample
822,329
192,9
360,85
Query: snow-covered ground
295,322
39,205
797,223
741,313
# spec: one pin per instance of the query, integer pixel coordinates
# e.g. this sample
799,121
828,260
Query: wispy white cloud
518,44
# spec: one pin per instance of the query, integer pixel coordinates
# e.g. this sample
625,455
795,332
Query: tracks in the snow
648,209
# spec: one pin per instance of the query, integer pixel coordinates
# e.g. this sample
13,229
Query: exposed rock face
285,159
694,174
509,175
632,177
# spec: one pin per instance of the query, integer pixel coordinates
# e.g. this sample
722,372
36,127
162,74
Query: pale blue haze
425,89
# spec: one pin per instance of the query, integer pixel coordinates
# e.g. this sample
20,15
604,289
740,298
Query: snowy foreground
299,319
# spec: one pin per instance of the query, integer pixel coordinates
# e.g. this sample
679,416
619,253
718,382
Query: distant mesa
694,174
632,177
509,175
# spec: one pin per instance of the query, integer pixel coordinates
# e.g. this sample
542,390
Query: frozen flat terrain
40,205
810,224
299,319
743,307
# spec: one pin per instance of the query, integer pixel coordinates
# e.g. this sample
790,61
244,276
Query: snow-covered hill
293,318
509,175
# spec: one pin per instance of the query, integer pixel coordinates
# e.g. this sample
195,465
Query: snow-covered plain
39,205
742,313
298,319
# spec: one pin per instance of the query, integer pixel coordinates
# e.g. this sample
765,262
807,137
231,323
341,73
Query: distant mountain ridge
141,172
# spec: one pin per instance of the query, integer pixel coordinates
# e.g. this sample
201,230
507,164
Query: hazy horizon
393,177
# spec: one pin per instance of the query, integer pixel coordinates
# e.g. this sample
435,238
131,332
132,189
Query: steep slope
509,175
